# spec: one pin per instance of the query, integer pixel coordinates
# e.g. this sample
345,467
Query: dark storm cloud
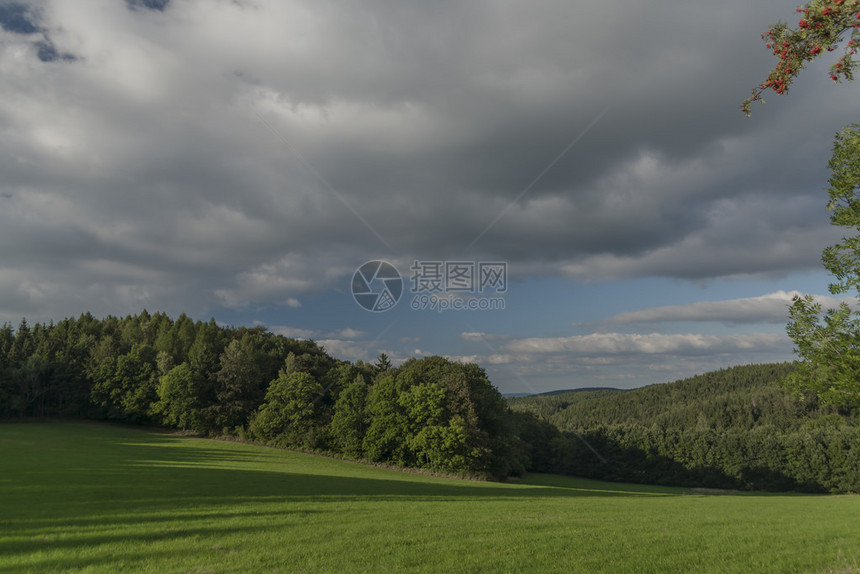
249,152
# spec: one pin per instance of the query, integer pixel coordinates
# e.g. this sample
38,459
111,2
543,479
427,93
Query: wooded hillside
733,428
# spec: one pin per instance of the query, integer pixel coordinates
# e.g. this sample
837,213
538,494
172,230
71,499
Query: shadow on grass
144,529
121,468
74,493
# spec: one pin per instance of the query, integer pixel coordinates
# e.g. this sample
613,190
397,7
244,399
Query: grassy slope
85,496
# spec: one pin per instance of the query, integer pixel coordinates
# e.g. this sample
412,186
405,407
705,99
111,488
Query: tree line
216,380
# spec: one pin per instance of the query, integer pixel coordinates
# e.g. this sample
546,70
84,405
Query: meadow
92,497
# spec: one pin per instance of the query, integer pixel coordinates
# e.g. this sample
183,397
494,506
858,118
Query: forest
736,428
249,383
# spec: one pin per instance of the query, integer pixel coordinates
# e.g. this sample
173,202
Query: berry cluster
822,27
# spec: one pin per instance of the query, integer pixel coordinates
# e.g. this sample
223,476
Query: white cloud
482,337
608,344
347,333
769,308
292,332
463,358
350,350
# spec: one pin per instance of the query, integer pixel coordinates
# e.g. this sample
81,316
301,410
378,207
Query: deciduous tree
180,397
825,341
290,414
828,342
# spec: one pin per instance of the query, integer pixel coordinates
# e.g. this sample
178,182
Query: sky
563,192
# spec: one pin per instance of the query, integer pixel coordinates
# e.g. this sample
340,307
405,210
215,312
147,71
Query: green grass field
92,497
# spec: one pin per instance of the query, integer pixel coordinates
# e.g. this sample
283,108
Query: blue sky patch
17,18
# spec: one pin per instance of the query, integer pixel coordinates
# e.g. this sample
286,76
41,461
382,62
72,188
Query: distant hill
559,392
722,397
546,405
579,390
732,428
